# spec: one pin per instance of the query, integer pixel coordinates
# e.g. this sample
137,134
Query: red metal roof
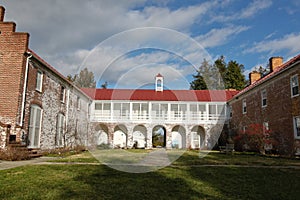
159,75
277,71
166,95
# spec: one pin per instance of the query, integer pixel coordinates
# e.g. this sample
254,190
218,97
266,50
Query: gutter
24,89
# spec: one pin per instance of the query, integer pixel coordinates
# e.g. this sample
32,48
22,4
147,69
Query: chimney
275,62
254,76
2,12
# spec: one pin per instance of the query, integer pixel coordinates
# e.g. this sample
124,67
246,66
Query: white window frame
264,98
39,81
244,106
296,121
60,129
35,126
294,78
266,127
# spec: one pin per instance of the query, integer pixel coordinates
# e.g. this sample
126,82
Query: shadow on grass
250,183
107,183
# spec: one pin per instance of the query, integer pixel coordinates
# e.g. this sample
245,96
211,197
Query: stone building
273,102
38,106
182,118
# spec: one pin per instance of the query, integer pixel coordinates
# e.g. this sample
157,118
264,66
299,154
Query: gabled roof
166,95
271,75
57,73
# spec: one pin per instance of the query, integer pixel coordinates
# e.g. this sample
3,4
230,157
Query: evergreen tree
234,78
220,72
199,82
219,76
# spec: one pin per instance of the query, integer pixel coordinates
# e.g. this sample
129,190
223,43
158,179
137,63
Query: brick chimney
2,12
254,76
275,62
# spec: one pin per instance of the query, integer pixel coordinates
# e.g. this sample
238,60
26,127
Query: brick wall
13,45
278,113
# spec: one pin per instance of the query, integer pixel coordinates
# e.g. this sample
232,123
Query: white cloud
251,10
217,37
272,46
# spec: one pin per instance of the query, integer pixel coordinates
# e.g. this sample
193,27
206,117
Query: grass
179,181
237,158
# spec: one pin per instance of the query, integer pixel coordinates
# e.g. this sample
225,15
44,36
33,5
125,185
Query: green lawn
179,181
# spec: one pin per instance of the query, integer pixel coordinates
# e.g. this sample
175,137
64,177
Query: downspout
24,89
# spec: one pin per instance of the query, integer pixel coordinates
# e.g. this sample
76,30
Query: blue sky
71,34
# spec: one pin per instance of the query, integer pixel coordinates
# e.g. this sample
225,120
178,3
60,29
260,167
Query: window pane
221,109
39,81
106,106
212,109
202,108
98,106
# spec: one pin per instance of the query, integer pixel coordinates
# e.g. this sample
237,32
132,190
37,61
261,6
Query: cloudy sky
128,42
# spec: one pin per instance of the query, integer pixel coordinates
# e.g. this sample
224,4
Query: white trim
262,98
24,90
291,85
295,127
60,130
31,135
244,105
40,82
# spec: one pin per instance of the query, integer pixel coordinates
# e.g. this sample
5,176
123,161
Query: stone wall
49,100
211,133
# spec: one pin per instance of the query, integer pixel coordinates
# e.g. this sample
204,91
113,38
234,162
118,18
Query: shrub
64,151
256,138
14,154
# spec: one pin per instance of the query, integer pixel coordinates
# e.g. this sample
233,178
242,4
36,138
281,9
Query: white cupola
159,83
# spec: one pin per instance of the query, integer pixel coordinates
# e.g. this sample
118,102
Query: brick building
38,106
273,103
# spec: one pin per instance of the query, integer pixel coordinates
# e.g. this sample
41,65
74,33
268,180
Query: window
264,98
78,103
140,110
121,110
62,94
244,106
34,126
103,110
98,106
39,81
266,127
230,111
297,127
60,129
294,85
